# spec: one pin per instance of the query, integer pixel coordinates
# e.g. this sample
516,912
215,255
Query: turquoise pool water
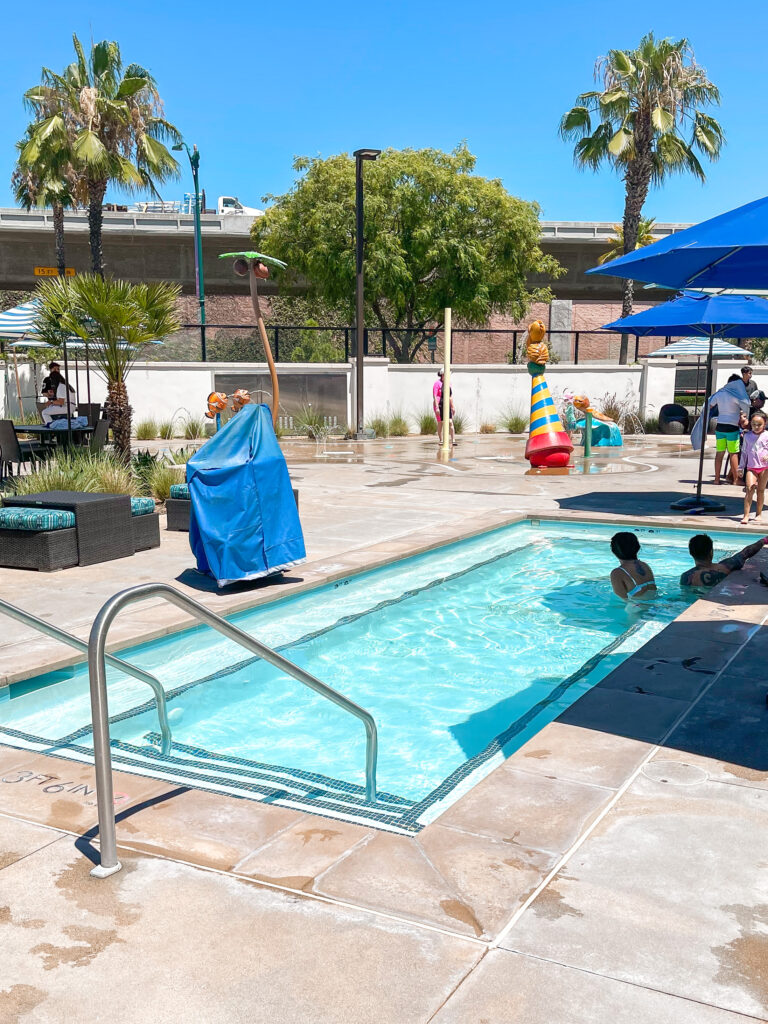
461,655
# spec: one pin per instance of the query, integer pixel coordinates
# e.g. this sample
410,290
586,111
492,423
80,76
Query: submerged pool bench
58,529
178,506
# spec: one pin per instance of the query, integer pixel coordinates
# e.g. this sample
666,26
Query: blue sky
254,85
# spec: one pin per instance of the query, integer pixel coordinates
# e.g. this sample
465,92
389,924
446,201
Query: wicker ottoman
145,524
44,540
178,507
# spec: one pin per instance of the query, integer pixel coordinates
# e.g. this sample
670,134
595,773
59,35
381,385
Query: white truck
232,205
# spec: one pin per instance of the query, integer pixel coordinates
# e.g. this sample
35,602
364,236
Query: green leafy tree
109,120
117,318
648,121
44,177
436,235
645,237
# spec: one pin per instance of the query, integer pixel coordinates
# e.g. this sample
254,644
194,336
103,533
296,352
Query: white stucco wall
482,392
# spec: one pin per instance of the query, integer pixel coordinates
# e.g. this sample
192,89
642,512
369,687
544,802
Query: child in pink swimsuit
754,465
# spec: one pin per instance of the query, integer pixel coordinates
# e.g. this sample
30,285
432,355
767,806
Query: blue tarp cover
244,522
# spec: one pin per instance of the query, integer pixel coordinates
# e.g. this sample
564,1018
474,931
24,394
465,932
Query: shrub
611,406
309,421
487,428
379,425
166,428
193,426
426,422
160,479
113,476
181,456
459,422
514,419
79,471
651,424
398,425
146,430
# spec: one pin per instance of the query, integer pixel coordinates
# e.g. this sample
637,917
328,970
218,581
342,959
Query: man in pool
707,573
632,580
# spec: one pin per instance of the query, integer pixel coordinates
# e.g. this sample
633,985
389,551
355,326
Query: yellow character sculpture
548,444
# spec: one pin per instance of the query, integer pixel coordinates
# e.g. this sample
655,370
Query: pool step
274,784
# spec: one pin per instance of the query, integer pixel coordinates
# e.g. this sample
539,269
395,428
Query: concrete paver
170,943
670,892
508,987
528,810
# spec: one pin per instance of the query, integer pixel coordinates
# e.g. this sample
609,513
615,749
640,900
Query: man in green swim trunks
731,401
707,573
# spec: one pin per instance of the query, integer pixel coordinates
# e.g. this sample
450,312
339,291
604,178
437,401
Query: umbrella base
696,505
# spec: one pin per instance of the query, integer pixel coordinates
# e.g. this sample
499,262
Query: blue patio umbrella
728,251
710,316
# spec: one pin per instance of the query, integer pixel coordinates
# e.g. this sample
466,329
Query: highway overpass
160,246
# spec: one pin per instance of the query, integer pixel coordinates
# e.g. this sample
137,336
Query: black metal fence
240,343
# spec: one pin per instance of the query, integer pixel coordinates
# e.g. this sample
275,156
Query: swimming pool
461,655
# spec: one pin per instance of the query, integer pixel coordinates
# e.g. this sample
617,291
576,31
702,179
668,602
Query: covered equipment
244,522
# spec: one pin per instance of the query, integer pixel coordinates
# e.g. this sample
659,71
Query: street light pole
360,155
194,160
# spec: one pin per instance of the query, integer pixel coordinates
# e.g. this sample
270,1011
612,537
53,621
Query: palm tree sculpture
116,318
110,120
645,237
650,124
254,264
43,177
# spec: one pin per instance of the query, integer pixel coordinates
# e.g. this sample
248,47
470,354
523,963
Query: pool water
460,654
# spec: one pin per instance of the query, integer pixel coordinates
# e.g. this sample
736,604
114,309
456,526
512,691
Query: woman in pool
632,580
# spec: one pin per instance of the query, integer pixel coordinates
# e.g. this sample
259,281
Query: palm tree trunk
96,191
636,181
58,234
119,414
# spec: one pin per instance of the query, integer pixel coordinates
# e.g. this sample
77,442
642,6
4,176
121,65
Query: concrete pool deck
612,870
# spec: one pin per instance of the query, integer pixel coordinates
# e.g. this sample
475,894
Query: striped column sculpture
548,444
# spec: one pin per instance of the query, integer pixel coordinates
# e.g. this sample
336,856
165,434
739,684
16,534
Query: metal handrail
100,714
80,645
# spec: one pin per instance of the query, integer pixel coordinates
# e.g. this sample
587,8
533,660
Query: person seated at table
61,401
53,367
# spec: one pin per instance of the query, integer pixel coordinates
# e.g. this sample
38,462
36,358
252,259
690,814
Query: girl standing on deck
754,465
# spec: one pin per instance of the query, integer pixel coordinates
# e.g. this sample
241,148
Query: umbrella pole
88,383
699,503
66,385
18,385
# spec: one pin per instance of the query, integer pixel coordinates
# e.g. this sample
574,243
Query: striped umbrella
18,322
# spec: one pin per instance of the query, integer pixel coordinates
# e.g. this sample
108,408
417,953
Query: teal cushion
36,519
142,506
180,491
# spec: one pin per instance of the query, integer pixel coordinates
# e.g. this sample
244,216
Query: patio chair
91,411
99,437
14,452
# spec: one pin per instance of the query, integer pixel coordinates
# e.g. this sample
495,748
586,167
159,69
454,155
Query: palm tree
44,177
116,318
110,120
647,120
645,237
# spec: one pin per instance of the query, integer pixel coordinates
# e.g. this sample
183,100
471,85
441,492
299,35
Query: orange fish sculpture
548,444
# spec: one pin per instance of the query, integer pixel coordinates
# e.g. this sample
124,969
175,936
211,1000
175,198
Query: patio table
48,436
102,521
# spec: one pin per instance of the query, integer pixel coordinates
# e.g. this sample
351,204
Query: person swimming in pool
632,580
